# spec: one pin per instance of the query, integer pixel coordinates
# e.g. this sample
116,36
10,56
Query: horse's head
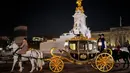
12,45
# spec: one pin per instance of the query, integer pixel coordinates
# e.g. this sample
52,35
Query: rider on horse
24,47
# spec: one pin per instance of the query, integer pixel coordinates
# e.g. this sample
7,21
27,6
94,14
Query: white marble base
59,44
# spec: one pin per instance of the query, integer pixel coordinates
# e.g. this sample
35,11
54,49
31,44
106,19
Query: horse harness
19,55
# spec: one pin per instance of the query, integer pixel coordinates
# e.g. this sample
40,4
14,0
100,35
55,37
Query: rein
16,51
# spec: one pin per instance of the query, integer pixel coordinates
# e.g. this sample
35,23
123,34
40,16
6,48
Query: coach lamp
99,43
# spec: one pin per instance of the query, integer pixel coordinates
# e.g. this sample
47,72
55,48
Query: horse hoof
40,70
20,71
30,71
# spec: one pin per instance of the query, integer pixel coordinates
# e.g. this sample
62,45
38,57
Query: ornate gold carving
83,56
79,2
81,37
80,7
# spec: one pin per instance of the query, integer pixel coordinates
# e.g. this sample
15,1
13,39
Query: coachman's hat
102,34
99,34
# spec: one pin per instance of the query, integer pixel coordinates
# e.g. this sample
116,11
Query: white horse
34,56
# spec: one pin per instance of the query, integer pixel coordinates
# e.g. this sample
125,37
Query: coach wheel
104,62
56,65
93,65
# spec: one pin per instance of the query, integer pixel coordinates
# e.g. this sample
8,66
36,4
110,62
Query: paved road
69,68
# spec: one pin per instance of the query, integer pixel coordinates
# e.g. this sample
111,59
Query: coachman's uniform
101,43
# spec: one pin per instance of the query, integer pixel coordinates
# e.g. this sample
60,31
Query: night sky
54,17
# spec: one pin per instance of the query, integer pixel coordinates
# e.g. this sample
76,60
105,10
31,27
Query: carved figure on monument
80,7
79,2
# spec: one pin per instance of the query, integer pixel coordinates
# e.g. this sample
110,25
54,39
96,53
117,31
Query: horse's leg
41,68
116,65
33,64
40,63
36,64
14,62
124,63
43,63
20,65
127,59
119,62
127,63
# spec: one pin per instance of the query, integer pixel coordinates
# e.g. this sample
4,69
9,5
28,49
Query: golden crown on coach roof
81,37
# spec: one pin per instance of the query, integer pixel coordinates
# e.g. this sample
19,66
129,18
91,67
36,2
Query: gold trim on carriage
81,50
